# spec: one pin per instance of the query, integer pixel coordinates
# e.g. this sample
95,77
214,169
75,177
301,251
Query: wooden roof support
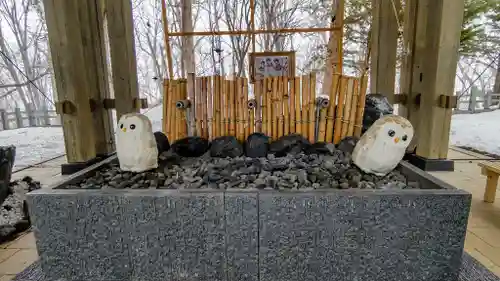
443,21
384,48
123,55
76,44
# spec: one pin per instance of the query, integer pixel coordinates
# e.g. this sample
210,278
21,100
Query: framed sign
271,64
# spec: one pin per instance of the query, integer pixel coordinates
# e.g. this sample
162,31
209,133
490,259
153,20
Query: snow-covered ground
480,131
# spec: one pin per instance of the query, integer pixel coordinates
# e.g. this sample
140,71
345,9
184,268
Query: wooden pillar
64,25
123,57
78,58
444,24
384,48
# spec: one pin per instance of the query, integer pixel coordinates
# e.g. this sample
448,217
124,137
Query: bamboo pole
286,106
249,124
312,108
167,39
225,106
354,104
210,109
347,107
252,23
337,132
274,112
198,109
292,105
177,120
232,108
298,112
166,107
263,107
190,95
331,108
173,112
361,106
204,108
217,113
241,121
305,105
279,108
258,109
184,120
269,102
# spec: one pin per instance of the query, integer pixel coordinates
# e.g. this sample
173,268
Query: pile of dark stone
290,162
14,217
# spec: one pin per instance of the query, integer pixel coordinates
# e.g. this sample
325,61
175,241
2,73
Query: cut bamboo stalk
354,104
292,105
249,124
286,106
358,126
279,108
191,96
331,108
204,108
198,109
166,109
323,104
210,109
177,119
240,118
274,118
216,121
232,108
236,115
263,107
184,120
347,107
269,102
312,108
225,106
173,111
258,109
337,132
298,112
305,106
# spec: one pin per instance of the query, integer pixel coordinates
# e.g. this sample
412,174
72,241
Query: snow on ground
480,131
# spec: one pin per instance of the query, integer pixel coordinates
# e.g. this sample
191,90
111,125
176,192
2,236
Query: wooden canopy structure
77,30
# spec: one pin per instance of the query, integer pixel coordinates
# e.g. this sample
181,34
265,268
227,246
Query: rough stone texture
251,234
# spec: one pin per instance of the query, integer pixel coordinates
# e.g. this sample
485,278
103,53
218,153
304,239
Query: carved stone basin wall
247,235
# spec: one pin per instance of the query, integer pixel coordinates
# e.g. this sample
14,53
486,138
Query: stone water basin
251,234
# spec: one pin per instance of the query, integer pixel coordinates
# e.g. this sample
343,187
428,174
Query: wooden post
67,22
30,112
123,55
384,47
444,21
19,118
4,119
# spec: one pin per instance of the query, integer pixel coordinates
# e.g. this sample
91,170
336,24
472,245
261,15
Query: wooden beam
123,55
335,43
384,48
66,31
444,22
257,31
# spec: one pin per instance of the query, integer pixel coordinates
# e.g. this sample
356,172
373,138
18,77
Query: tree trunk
496,88
187,44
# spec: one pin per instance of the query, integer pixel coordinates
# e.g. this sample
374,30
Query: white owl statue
135,143
383,145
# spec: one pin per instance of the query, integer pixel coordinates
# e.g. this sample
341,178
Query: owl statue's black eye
404,138
132,127
121,126
391,133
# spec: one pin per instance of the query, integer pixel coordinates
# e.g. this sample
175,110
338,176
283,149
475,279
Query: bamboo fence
275,106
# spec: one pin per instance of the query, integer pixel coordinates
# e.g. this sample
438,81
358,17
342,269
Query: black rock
347,144
376,106
290,144
191,146
257,145
321,148
227,146
162,142
7,157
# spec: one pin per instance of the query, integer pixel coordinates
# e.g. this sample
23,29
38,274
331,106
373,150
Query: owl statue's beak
396,140
124,130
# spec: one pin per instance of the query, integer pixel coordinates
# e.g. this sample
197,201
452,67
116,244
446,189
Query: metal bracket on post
185,105
140,103
65,107
447,102
320,104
